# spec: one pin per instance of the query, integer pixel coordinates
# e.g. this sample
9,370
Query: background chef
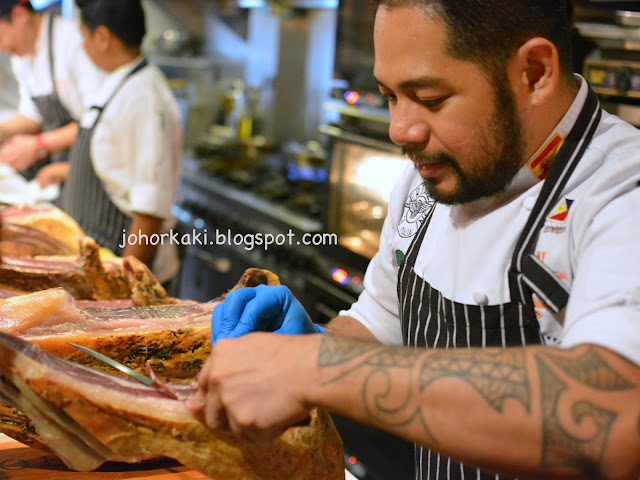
124,166
55,78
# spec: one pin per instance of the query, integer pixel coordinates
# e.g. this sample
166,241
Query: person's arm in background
21,150
52,173
16,124
142,225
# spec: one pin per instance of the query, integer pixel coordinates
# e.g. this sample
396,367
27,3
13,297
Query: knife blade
115,364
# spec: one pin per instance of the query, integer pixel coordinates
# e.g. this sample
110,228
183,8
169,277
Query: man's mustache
420,156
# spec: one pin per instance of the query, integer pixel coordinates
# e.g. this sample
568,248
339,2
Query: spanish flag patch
541,163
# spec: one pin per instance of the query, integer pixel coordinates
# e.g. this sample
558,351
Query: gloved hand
261,308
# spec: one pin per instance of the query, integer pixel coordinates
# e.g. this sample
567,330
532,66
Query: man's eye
432,102
389,97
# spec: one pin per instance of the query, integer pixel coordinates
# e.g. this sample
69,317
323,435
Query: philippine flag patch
560,213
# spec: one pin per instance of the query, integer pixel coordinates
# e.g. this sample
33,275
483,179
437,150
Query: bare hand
52,173
19,152
255,385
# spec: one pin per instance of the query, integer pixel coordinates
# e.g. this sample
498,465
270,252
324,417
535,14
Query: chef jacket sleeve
154,152
604,305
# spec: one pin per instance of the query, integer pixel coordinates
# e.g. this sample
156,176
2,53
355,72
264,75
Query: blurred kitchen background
285,131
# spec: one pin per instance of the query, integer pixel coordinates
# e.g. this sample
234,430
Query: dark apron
54,114
84,196
430,320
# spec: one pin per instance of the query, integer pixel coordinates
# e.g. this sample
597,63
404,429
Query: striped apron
84,196
430,320
54,114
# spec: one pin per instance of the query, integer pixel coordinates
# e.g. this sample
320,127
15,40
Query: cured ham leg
174,339
89,417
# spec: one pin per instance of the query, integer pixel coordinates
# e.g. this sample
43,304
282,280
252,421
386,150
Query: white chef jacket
77,77
136,149
591,240
8,89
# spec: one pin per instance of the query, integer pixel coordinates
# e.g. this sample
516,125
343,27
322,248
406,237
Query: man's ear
103,38
537,66
20,15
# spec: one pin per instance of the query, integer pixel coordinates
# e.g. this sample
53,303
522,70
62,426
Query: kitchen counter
210,192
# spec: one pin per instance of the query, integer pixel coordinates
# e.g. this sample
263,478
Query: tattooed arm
533,413
348,327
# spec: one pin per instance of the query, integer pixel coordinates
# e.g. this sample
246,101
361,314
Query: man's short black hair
6,6
489,32
124,18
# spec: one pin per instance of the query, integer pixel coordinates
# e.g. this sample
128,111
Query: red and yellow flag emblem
541,163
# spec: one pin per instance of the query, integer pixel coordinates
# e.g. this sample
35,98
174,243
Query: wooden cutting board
19,462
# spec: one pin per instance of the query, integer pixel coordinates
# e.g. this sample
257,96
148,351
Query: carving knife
124,369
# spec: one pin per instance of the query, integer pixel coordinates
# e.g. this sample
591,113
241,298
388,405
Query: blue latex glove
261,308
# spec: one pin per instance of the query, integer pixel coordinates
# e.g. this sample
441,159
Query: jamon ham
89,417
86,276
43,230
173,339
43,247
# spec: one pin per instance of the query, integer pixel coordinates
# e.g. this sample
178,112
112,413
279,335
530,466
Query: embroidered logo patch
560,213
542,162
416,208
399,257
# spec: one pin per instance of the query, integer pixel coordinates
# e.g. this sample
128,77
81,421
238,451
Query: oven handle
336,132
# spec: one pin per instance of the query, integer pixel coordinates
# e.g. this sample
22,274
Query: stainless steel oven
612,67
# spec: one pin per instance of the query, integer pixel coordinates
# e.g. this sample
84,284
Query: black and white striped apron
430,320
84,196
54,114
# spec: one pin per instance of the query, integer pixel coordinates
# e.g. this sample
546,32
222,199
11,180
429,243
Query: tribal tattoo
562,434
497,376
386,365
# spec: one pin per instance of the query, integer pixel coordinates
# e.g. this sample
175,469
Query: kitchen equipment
363,173
613,67
176,41
124,369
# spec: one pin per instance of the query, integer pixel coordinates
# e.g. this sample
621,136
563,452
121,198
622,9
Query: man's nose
408,125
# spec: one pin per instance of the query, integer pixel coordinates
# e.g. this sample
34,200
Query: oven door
359,194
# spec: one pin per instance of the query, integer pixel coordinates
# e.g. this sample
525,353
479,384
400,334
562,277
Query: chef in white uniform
124,167
500,323
55,78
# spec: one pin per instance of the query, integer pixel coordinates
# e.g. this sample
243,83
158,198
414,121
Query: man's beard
499,157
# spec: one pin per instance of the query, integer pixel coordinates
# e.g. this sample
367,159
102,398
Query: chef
55,78
499,328
124,166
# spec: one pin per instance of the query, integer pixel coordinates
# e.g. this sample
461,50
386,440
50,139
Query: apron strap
51,59
527,273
